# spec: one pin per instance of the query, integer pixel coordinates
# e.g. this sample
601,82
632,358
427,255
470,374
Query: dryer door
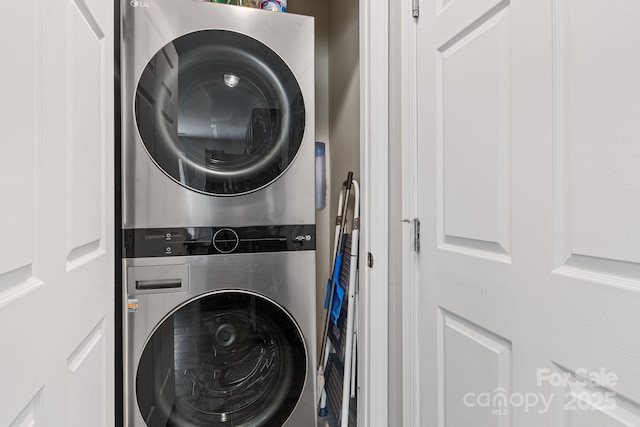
224,358
219,112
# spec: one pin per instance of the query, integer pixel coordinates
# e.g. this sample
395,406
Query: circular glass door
228,358
220,112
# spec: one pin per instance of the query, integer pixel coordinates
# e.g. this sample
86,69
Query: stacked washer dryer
218,215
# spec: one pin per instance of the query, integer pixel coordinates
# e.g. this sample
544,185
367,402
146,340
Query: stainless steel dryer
220,331
218,215
217,115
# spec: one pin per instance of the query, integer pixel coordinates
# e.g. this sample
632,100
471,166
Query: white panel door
529,197
56,194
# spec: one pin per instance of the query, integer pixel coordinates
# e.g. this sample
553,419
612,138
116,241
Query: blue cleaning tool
333,285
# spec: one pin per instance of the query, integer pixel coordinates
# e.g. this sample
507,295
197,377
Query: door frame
409,177
373,401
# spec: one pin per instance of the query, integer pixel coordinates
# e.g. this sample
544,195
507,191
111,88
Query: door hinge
416,232
415,8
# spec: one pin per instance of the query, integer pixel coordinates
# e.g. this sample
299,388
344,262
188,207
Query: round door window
223,359
220,112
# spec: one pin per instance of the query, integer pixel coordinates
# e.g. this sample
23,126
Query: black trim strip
117,132
170,242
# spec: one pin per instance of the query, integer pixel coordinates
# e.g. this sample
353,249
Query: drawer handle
143,285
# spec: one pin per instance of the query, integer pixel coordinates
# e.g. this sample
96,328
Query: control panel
168,242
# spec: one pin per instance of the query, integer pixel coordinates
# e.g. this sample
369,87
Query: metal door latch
416,232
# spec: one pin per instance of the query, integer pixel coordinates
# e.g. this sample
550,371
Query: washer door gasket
220,112
225,358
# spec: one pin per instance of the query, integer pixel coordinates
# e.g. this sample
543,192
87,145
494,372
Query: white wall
56,196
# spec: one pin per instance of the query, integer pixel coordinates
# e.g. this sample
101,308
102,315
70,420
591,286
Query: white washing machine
218,216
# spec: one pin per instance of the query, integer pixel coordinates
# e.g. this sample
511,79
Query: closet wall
337,112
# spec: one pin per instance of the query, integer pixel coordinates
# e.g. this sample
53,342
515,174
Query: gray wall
337,111
344,93
321,13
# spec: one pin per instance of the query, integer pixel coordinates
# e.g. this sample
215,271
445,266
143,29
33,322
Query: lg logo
136,3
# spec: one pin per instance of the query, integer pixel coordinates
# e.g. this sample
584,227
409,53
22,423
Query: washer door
226,358
219,112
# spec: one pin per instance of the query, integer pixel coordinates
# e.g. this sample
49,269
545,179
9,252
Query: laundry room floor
328,421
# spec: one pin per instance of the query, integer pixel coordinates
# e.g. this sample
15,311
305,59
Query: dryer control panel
167,242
